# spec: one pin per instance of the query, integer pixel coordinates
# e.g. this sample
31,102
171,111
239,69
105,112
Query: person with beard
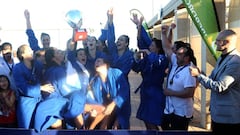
180,85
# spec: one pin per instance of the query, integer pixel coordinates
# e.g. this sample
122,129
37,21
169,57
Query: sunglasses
221,42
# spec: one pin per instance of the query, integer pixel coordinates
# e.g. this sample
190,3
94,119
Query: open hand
47,88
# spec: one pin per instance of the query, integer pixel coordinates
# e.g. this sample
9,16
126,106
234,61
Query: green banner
204,17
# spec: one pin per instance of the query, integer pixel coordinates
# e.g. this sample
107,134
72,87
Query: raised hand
145,51
110,15
47,88
137,56
27,17
135,19
108,110
27,14
173,26
165,29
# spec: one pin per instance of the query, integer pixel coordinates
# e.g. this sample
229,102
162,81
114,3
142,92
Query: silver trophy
74,19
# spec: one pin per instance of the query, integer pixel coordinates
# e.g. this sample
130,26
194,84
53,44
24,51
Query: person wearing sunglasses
224,83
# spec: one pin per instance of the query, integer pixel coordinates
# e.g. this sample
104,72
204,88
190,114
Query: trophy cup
74,19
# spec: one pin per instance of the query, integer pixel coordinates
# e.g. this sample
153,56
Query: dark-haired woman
78,60
152,68
56,75
120,57
111,89
27,75
8,117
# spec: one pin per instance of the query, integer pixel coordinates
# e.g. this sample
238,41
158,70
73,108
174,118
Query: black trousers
174,122
220,128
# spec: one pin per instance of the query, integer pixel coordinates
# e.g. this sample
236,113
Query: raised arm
111,30
72,43
71,47
27,17
32,40
144,41
110,34
170,33
167,45
138,23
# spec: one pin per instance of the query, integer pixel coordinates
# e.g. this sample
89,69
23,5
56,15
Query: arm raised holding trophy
78,58
74,19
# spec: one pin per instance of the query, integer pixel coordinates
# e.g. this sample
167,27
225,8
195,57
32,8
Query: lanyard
175,73
9,67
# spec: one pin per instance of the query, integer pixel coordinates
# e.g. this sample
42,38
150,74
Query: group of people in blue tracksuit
86,88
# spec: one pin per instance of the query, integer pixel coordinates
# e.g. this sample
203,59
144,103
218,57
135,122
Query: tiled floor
136,124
